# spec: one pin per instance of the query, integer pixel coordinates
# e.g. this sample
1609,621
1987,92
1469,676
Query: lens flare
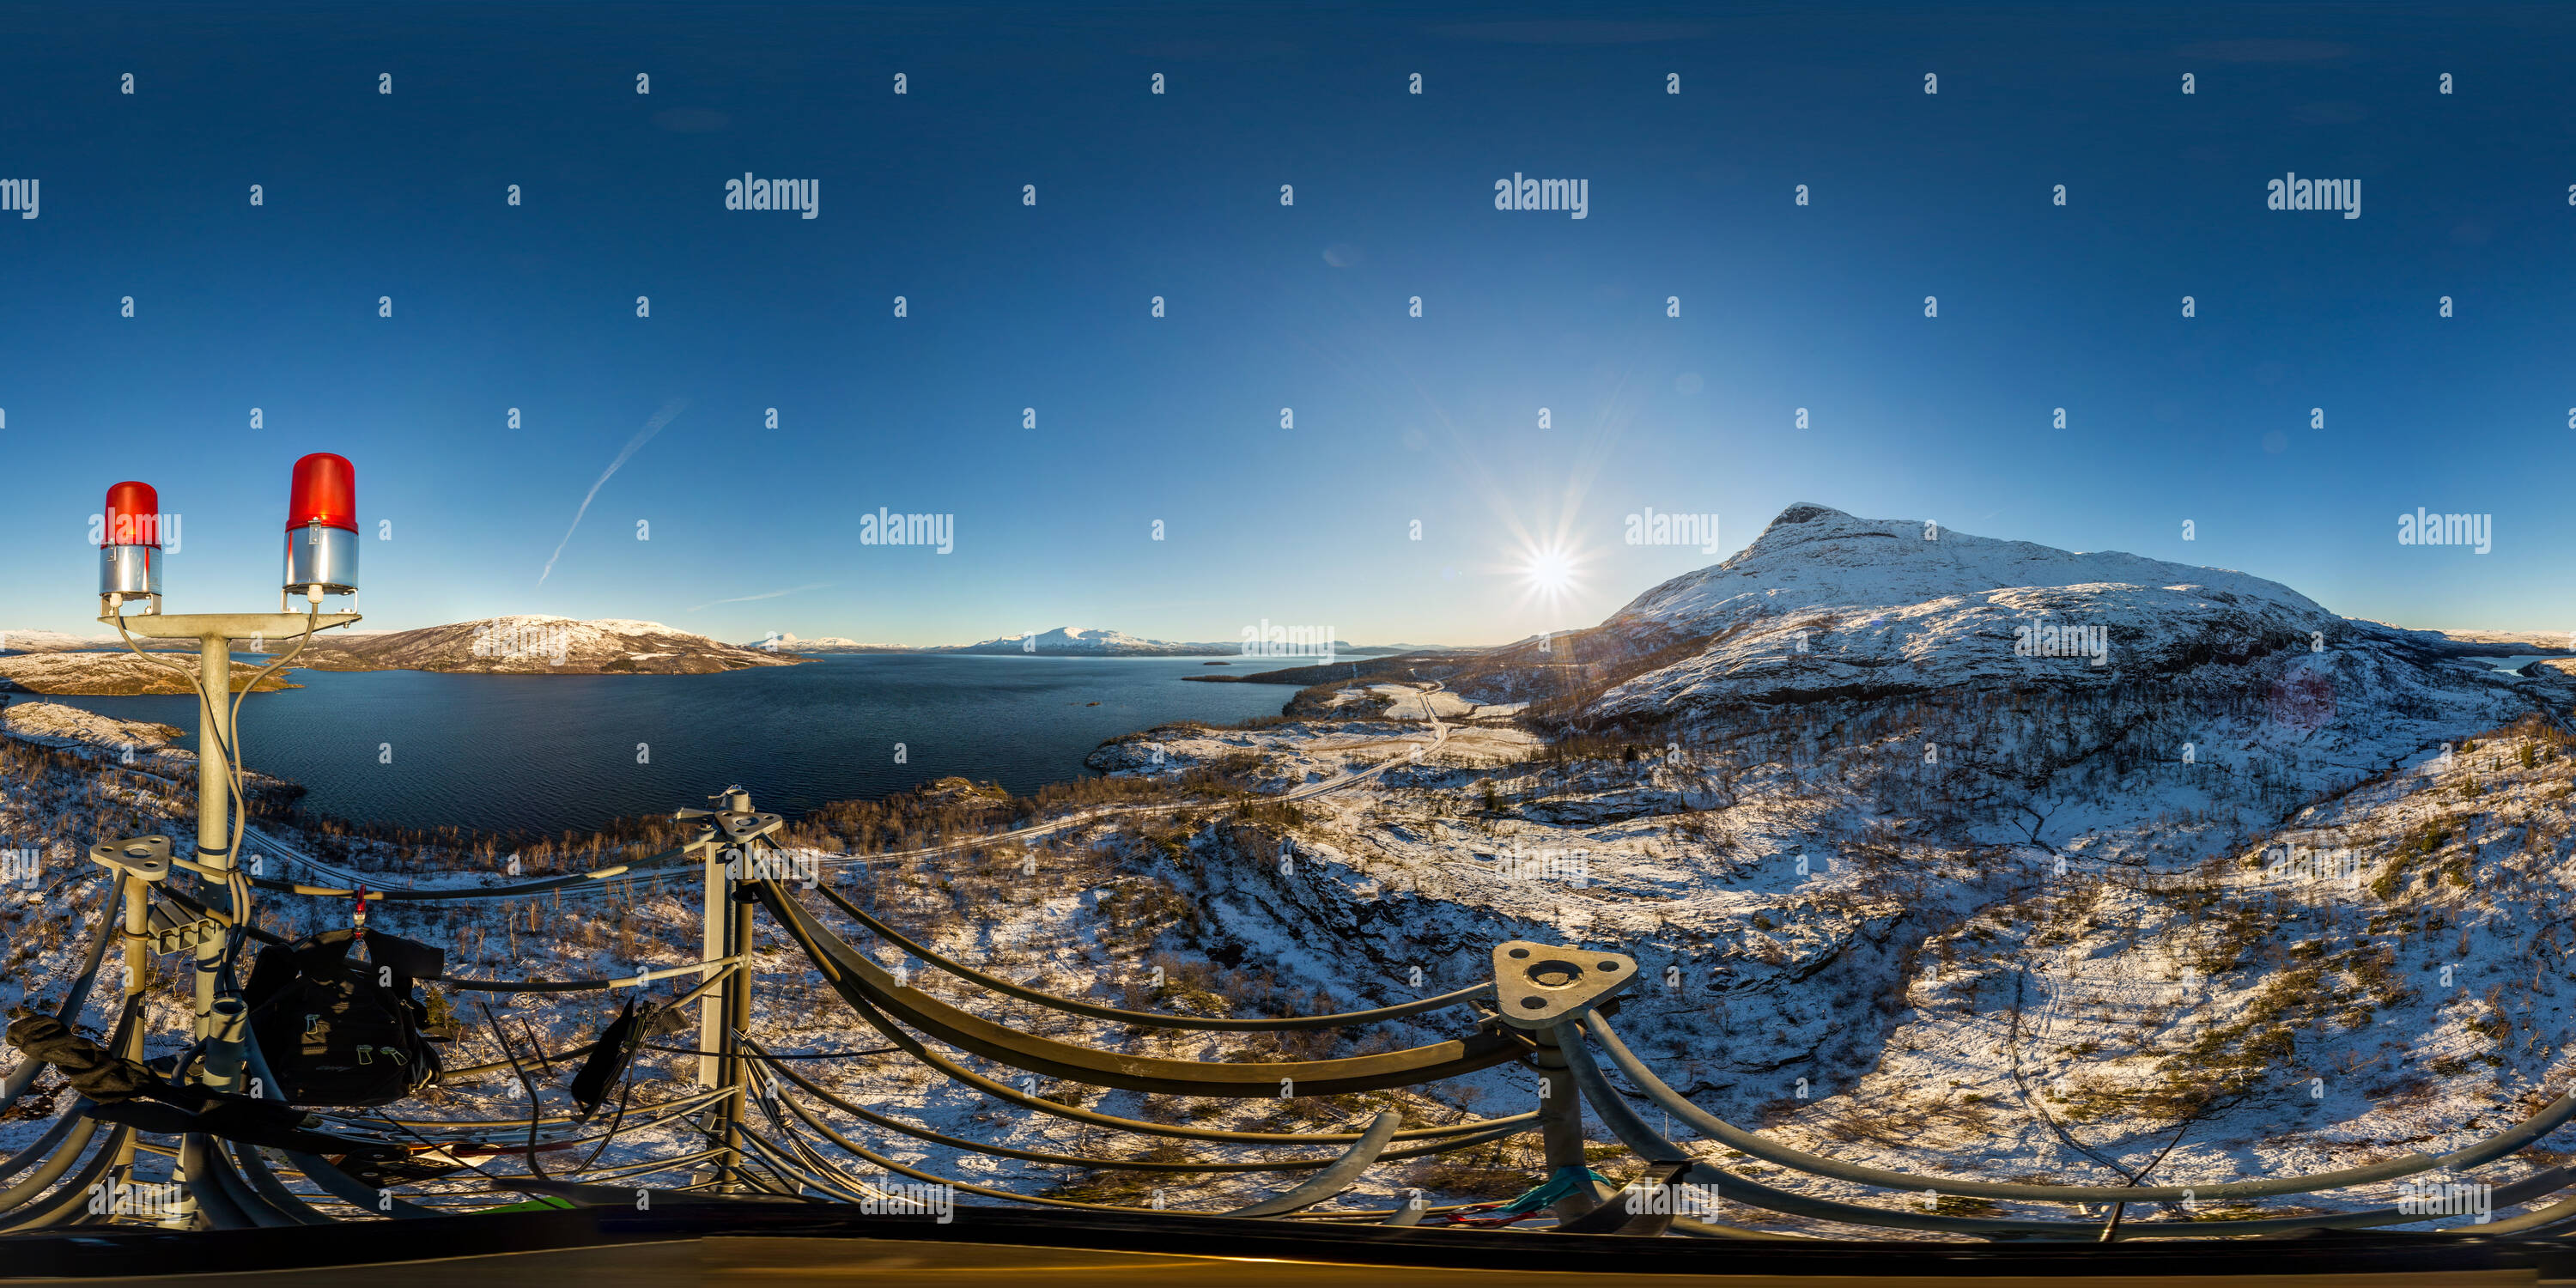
1549,572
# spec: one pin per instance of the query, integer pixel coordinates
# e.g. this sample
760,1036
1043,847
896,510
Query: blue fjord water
551,752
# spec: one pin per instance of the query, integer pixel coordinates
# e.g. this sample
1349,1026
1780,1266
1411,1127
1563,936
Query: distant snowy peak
1815,556
2535,641
53,642
790,642
614,625
1076,641
1079,637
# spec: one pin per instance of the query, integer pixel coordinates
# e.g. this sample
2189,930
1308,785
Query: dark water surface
2517,661
550,752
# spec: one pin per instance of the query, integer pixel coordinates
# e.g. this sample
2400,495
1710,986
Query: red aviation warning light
129,549
322,528
325,490
133,516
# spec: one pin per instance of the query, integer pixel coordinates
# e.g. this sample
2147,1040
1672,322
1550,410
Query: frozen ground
2285,886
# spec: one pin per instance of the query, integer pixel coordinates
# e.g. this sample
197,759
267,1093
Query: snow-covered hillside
1936,893
1826,605
1814,556
101,673
1927,900
30,641
789,642
1077,641
535,644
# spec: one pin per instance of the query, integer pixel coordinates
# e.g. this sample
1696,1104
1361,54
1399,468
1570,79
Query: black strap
93,1070
608,1059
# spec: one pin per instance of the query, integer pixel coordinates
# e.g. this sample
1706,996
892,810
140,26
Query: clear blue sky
1397,419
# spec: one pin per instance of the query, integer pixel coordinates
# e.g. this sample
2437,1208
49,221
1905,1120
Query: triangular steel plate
742,827
146,858
1537,986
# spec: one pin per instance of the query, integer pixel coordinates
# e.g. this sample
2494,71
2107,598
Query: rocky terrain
51,724
2267,878
25,641
1823,606
110,674
68,769
528,644
1913,881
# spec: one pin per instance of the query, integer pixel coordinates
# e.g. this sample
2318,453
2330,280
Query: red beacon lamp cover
325,491
322,527
133,516
129,548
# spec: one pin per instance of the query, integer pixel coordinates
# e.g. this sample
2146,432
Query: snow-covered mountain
2534,640
54,642
101,673
1076,641
1936,891
1812,555
2270,889
530,644
789,642
1826,605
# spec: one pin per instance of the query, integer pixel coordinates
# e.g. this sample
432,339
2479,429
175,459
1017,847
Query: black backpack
338,1032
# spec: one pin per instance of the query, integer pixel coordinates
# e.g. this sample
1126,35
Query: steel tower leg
738,1015
711,1009
1560,1121
138,962
214,847
214,805
726,937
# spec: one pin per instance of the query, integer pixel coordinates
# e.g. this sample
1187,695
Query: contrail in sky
669,412
744,599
